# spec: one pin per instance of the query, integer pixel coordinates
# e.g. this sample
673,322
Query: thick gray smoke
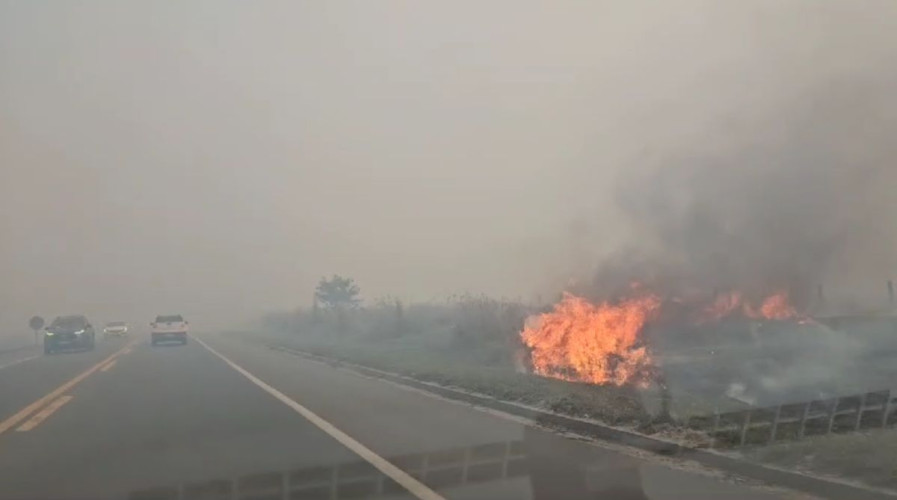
800,198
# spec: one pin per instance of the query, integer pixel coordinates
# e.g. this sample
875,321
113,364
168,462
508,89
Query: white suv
169,328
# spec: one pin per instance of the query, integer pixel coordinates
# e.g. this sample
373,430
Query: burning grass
608,343
609,404
470,343
599,344
604,364
624,362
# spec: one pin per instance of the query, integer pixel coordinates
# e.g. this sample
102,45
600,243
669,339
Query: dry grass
868,457
467,343
612,405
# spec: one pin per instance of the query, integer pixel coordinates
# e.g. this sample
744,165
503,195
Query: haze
215,159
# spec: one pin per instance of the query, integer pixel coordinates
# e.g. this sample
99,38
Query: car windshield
550,249
69,322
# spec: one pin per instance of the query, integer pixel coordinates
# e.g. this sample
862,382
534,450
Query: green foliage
337,293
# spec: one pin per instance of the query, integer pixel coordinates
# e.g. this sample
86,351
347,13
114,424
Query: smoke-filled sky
216,158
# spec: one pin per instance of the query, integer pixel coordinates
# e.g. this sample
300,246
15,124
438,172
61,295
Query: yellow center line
109,365
14,420
43,414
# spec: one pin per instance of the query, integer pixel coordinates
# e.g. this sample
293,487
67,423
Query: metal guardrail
767,425
358,479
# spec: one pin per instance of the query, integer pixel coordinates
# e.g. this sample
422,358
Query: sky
217,158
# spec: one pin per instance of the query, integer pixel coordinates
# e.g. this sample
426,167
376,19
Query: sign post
36,323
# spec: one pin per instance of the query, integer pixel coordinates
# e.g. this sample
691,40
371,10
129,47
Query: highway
224,418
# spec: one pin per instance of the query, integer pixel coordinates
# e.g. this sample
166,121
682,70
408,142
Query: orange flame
778,307
774,307
600,344
604,344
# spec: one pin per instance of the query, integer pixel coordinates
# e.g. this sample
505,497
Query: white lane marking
17,361
415,487
42,415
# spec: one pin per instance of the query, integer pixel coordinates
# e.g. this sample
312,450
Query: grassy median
467,343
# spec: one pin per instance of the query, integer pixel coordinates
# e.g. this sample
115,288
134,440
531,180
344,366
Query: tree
400,318
338,293
36,323
315,311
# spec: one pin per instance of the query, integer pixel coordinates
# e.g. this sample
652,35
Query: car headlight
79,332
50,334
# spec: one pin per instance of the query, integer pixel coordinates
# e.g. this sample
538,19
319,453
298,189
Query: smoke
427,151
795,198
790,200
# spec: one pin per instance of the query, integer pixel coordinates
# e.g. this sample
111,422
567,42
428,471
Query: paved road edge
415,487
815,485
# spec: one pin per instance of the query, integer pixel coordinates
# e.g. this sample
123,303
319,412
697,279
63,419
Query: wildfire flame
599,344
604,343
777,307
774,307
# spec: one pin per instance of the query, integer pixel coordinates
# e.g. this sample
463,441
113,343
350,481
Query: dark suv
69,332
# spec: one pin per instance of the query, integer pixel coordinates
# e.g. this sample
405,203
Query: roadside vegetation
468,342
471,342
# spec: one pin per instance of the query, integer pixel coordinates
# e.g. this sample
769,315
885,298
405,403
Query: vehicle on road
171,328
69,332
115,329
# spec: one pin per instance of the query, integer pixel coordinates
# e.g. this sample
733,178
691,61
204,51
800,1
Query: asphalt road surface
223,418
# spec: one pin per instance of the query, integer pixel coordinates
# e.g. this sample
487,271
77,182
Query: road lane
178,422
23,383
164,415
20,354
39,403
43,414
401,477
395,421
20,357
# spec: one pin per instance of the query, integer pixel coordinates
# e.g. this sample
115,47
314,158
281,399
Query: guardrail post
803,420
831,414
466,467
860,409
714,427
775,424
745,424
334,482
886,410
505,460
